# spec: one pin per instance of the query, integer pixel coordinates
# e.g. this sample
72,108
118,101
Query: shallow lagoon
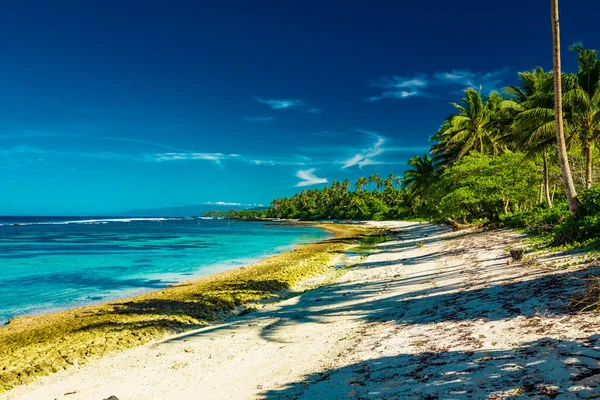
49,264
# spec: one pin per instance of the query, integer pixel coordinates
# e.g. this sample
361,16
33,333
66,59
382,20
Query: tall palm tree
535,126
478,125
570,191
421,176
585,103
388,183
376,180
362,181
398,181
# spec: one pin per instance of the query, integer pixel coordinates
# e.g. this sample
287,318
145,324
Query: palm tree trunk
560,136
547,181
587,150
541,199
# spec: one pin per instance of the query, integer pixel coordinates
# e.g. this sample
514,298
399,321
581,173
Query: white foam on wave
91,221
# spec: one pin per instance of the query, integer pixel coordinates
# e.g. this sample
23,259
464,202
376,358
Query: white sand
449,319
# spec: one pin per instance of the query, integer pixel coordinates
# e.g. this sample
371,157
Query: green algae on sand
41,345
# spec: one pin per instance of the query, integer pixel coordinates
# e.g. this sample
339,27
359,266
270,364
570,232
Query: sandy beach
430,313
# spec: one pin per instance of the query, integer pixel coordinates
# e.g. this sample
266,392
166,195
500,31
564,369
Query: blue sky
108,106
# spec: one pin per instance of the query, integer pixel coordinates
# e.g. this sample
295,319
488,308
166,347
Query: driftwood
456,226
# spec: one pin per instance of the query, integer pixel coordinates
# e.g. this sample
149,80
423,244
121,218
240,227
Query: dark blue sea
53,263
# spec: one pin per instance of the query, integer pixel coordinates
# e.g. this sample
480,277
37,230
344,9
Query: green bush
590,201
577,230
480,186
537,220
586,225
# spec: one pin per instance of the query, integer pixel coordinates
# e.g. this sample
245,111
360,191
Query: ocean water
48,264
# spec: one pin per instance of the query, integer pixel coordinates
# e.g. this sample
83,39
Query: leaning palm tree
419,179
584,100
570,191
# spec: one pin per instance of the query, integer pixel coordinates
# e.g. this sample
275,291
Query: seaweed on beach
41,345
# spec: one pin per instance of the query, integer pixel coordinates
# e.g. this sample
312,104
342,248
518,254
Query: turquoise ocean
53,263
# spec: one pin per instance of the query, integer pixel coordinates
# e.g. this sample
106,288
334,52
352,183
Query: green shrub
537,220
577,230
590,201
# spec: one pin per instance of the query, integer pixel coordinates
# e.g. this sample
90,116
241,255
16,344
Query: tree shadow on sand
545,368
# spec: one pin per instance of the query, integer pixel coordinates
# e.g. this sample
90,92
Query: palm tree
375,179
421,176
398,181
478,125
535,125
388,183
570,191
585,102
362,181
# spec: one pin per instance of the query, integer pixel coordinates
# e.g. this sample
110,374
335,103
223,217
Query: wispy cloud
284,104
296,160
215,157
259,119
309,178
32,133
280,104
396,87
487,80
367,155
425,85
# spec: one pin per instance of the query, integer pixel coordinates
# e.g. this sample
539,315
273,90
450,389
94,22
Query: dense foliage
386,200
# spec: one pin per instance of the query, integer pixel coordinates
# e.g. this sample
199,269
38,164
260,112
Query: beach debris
112,398
517,254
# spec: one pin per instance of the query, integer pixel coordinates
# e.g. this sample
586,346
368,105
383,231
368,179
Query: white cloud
396,82
283,104
396,87
216,157
308,178
366,156
487,80
424,85
280,104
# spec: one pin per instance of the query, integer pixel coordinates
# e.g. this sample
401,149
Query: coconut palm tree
421,176
388,183
584,100
570,191
362,181
376,180
534,127
480,124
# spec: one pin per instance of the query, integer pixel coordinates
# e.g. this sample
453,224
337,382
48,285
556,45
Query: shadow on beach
544,368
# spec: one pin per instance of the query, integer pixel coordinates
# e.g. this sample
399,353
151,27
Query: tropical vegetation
516,157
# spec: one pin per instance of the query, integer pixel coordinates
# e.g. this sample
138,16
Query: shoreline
39,345
175,279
